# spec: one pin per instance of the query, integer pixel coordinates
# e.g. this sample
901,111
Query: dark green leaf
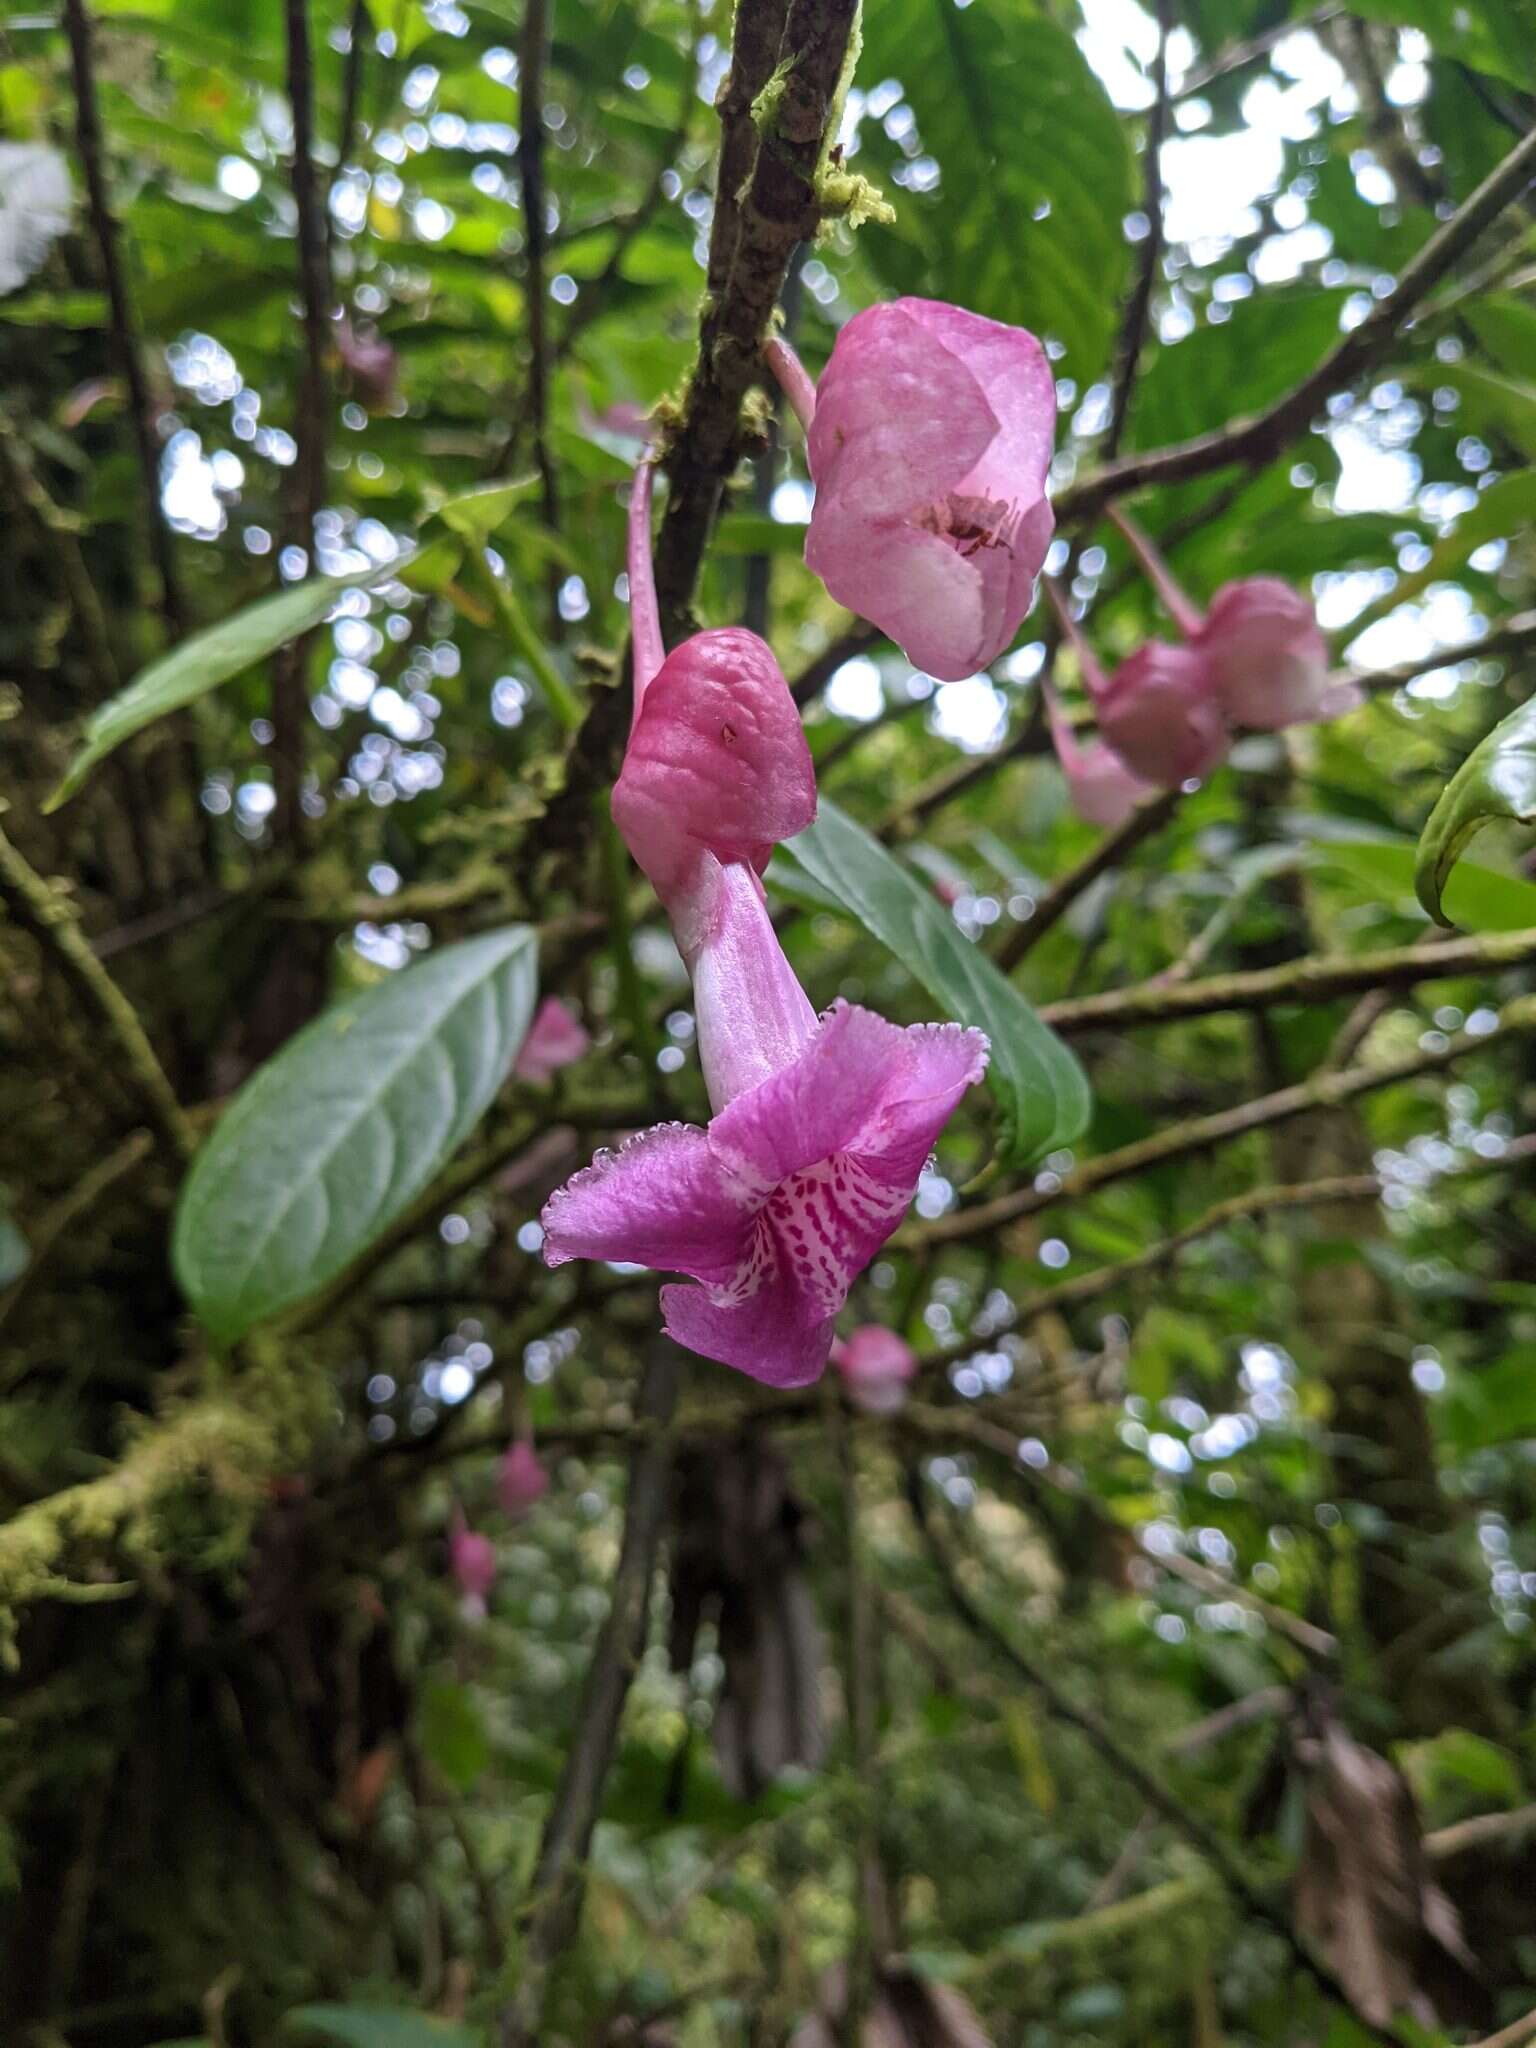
1025,222
15,1252
1040,1085
1497,780
336,1136
203,662
379,2026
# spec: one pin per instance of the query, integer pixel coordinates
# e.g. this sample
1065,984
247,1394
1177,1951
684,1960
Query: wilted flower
472,1561
822,1125
522,1481
876,1365
555,1038
929,439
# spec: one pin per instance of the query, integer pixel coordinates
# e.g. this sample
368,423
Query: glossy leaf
201,663
339,1133
1040,1085
1497,780
378,2026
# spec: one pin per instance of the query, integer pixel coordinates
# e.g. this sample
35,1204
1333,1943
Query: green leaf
207,659
1024,224
475,515
1497,780
1478,899
334,1138
453,1734
380,2026
1040,1085
1496,36
15,1252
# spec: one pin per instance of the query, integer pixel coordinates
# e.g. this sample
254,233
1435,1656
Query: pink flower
1103,790
522,1481
1159,710
929,439
472,1561
821,1125
555,1038
1267,657
371,365
1267,654
1160,713
876,1365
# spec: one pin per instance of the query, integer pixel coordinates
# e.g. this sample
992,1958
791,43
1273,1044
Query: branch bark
1258,439
559,1878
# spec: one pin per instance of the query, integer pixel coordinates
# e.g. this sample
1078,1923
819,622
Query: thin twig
52,1225
1202,1134
289,709
1238,56
1317,979
105,233
1262,436
1147,819
1133,332
857,636
1124,1761
559,1878
50,919
532,60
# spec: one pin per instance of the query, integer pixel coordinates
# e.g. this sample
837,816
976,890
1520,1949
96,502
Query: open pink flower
1159,710
472,1561
876,1365
522,1481
929,439
821,1125
555,1038
1266,654
1103,790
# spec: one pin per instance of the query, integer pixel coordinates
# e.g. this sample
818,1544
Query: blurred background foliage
1257,1521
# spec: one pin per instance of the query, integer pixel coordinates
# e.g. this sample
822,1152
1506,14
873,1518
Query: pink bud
371,365
1268,657
472,1560
522,1481
717,761
876,1365
1103,790
1160,713
556,1037
929,447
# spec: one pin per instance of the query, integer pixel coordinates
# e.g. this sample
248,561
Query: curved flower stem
1185,615
794,379
1094,678
647,650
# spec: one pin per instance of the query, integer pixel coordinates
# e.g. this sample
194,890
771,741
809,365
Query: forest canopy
767,1024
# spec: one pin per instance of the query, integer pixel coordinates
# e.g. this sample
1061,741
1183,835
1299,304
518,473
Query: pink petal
875,1365
1267,653
1103,790
666,1200
932,1068
753,1016
556,1037
819,1103
717,760
899,418
522,1480
924,593
761,1337
1161,714
1014,372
